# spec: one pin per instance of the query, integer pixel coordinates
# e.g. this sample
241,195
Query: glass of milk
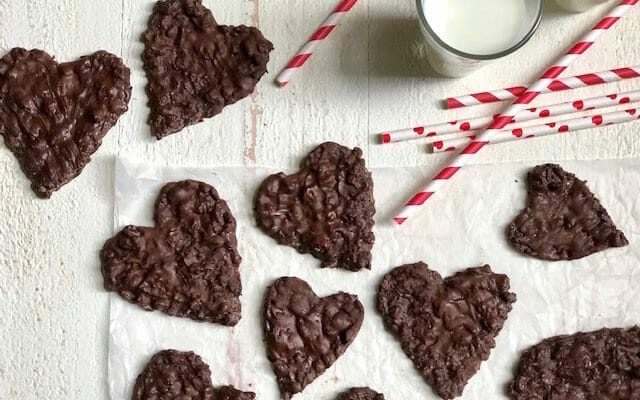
579,5
463,35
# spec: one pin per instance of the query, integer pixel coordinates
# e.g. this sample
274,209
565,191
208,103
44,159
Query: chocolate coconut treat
360,394
563,219
600,365
305,334
185,266
196,67
325,209
172,375
53,116
446,327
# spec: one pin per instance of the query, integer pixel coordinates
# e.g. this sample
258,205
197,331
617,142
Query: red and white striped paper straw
573,82
552,128
469,151
320,34
435,133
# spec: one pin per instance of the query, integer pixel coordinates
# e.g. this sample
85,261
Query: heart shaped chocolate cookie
325,209
600,365
196,67
446,327
563,219
187,265
53,116
173,374
360,394
305,334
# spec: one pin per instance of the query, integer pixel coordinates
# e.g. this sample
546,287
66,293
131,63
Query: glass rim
480,57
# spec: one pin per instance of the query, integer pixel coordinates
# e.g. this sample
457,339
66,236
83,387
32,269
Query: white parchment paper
462,227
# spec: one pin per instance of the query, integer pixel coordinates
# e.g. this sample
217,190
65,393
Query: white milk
479,27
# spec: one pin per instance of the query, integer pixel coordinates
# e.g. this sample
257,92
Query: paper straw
320,34
573,82
435,133
469,151
552,128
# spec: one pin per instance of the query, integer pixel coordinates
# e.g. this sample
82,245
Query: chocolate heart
196,67
360,394
53,116
325,209
600,365
446,327
187,266
172,375
563,219
305,334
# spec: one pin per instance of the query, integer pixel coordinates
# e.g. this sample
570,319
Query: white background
370,75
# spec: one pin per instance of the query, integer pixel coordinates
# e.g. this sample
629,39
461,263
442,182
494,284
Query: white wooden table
369,76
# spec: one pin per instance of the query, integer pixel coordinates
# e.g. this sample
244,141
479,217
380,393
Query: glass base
579,5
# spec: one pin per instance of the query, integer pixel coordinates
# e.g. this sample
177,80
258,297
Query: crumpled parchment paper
464,226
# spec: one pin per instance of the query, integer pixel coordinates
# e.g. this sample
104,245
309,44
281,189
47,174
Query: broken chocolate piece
563,219
53,116
600,365
173,374
187,265
360,394
196,67
305,334
446,327
325,209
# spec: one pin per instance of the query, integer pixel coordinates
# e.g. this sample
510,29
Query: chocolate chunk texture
446,327
53,116
360,394
305,334
563,219
187,265
196,67
325,209
599,365
173,375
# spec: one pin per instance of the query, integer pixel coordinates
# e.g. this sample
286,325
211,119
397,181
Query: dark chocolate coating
305,334
53,116
173,375
360,394
325,209
187,265
196,67
600,365
563,219
446,327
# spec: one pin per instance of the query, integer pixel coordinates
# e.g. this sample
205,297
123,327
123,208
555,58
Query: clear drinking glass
453,62
579,5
